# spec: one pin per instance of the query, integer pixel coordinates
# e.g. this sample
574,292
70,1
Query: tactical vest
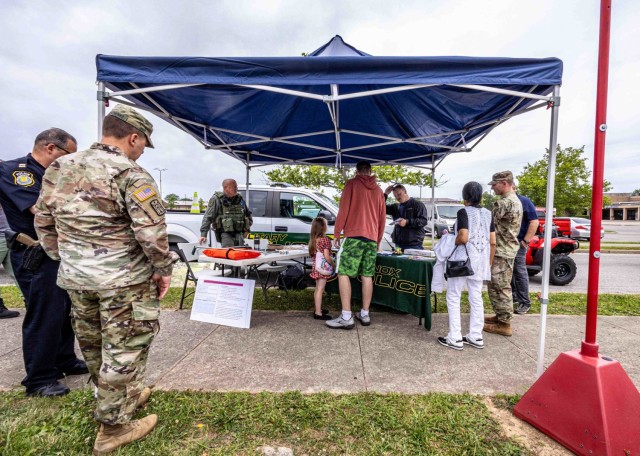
232,217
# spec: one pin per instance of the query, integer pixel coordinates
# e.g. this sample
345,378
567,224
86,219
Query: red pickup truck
563,224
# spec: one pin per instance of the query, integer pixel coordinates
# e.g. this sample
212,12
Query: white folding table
253,264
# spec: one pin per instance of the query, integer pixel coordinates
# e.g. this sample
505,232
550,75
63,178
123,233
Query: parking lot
618,271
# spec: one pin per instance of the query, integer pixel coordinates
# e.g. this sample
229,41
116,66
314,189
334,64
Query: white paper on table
223,301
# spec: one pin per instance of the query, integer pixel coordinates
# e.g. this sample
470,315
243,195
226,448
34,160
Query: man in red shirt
361,218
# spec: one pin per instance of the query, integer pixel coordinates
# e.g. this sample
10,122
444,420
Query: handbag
458,268
322,265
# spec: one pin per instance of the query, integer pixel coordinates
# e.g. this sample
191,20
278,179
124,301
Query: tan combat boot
500,327
144,397
110,438
493,319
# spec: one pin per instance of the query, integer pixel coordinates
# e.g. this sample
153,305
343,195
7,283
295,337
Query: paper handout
223,301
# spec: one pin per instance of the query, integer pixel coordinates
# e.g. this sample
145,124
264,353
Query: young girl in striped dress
318,242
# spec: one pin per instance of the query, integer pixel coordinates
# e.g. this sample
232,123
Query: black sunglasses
62,149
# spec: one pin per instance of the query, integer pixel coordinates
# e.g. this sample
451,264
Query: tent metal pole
433,200
152,89
502,91
247,184
546,261
101,108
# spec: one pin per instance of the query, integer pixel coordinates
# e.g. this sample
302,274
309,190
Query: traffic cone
195,204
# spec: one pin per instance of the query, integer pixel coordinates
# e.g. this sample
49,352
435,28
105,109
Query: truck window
258,203
449,211
302,207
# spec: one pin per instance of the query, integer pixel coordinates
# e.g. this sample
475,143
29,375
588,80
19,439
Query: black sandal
324,317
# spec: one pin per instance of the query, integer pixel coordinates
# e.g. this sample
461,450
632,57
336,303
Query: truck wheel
174,248
563,270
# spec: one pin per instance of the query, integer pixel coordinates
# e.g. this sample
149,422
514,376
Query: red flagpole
589,345
585,401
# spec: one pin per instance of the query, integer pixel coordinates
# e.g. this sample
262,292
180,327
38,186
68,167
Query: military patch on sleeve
23,178
157,206
144,193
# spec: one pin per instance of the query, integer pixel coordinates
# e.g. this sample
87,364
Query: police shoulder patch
157,206
23,178
144,193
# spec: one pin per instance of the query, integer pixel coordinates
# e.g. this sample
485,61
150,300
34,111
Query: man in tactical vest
228,215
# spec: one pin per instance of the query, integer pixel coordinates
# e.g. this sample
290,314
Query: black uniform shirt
20,181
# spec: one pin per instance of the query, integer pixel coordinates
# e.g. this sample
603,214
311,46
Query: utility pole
160,169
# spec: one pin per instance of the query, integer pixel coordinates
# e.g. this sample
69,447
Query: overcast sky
48,49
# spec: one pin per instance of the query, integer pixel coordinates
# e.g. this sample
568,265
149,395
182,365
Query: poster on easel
223,301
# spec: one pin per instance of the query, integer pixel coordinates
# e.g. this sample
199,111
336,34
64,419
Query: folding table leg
263,284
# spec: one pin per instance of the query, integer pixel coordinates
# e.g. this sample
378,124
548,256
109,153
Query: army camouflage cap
502,176
135,119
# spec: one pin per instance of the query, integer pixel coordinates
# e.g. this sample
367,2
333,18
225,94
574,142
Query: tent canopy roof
337,104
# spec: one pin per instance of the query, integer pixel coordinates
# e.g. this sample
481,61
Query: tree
171,200
315,176
636,192
488,199
572,181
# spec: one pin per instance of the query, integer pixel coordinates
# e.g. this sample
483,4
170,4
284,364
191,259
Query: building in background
623,207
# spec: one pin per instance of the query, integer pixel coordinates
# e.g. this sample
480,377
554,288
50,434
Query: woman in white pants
475,230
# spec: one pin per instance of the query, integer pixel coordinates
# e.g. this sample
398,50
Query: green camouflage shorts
357,258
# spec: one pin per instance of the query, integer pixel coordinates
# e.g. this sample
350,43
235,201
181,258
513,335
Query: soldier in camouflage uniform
228,215
100,214
507,216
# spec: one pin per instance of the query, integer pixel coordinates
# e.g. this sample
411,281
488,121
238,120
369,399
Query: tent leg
247,184
546,262
433,201
101,108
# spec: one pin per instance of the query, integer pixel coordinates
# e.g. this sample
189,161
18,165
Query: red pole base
588,404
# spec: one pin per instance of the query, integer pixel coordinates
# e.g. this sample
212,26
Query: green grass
198,423
559,303
506,401
564,304
585,246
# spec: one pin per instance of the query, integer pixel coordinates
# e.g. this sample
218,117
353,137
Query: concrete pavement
286,351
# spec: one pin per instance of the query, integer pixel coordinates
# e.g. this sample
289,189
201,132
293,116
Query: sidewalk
286,351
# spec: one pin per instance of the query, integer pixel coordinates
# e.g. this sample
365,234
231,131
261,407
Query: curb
629,252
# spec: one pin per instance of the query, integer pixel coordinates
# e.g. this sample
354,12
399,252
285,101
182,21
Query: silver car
581,228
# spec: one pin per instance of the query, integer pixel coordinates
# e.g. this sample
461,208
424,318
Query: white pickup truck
281,213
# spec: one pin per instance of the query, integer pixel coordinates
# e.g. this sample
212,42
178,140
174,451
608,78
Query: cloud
48,59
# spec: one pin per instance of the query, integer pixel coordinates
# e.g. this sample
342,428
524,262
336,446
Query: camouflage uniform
507,215
229,217
100,214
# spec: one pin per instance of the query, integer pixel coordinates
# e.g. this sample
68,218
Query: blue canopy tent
338,105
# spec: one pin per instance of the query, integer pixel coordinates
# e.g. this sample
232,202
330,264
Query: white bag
322,265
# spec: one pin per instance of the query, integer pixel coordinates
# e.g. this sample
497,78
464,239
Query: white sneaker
457,345
365,321
341,323
475,343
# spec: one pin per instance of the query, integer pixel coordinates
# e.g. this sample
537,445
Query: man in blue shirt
520,279
47,335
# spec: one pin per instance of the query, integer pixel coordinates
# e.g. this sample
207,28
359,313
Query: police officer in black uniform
47,335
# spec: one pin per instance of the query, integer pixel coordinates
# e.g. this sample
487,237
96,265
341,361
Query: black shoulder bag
460,268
